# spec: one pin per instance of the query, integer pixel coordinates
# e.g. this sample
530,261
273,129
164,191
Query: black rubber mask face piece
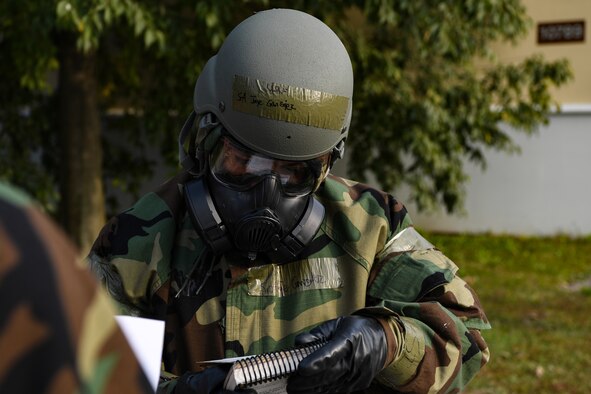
260,219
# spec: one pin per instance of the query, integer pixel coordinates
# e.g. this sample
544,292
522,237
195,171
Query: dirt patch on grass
579,285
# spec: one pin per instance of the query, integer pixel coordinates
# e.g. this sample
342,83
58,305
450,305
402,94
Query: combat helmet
271,100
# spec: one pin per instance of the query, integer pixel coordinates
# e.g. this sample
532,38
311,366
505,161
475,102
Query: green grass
541,336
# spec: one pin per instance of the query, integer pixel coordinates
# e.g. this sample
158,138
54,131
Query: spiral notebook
265,373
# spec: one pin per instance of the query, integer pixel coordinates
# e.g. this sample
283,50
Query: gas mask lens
240,168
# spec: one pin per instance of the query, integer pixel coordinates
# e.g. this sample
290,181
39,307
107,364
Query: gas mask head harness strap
267,211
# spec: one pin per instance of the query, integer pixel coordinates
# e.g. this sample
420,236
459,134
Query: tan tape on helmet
289,103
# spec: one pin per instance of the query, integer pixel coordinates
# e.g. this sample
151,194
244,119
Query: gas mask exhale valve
258,231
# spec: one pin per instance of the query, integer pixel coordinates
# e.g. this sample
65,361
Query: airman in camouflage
57,330
254,247
365,255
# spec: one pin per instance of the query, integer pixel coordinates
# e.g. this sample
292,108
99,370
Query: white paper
145,337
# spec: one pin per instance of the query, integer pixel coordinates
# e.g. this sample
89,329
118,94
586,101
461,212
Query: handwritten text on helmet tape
289,103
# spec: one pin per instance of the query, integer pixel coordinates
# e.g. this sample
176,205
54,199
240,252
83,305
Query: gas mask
254,204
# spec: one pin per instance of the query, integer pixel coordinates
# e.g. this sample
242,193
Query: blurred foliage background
89,86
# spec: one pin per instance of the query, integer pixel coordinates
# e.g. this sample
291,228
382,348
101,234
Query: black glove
356,351
210,380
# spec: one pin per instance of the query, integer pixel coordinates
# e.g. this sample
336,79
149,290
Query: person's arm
420,334
429,318
437,342
58,324
131,255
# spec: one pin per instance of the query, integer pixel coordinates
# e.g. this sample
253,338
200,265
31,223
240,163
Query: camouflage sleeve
132,254
57,330
434,318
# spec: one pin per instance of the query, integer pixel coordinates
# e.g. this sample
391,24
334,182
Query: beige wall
578,91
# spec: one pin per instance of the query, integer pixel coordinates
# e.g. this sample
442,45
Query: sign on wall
558,32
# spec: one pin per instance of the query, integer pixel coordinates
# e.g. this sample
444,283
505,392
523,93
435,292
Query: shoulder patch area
357,217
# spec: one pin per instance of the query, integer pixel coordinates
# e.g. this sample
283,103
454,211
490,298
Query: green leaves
421,105
91,20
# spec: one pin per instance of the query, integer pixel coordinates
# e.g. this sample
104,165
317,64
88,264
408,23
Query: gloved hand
356,351
210,380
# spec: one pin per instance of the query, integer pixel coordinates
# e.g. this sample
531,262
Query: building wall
545,190
578,53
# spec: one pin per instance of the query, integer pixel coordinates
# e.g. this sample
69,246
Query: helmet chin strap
209,224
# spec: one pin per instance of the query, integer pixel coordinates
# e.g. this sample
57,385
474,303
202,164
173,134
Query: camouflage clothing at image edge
57,330
366,258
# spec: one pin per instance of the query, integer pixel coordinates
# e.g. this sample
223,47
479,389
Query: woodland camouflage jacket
57,330
366,258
